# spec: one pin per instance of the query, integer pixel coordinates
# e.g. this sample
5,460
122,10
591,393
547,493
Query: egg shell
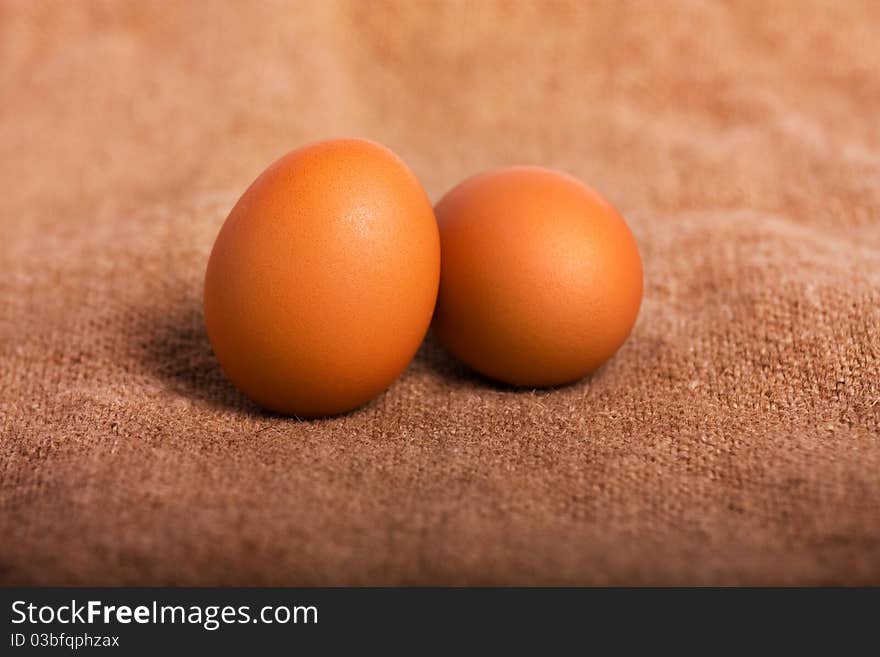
541,279
323,279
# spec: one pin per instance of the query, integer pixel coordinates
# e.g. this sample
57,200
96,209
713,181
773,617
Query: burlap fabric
735,439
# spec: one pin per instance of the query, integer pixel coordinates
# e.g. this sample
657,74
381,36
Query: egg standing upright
323,279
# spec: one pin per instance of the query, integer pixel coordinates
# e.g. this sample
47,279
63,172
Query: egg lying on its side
541,279
322,281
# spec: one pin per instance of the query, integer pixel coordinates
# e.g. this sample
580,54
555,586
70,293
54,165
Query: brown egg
541,278
322,281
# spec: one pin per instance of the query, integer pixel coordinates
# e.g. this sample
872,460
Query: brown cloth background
735,439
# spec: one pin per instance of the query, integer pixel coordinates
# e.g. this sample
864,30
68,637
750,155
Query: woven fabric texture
735,438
